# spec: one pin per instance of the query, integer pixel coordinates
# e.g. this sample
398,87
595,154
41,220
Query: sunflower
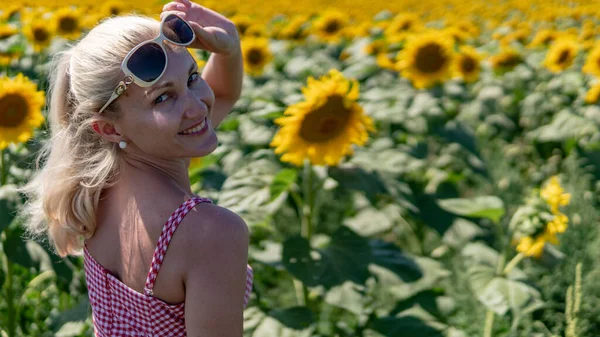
593,94
426,59
242,22
467,64
256,31
543,38
324,127
386,60
329,26
113,8
506,60
561,55
294,29
39,33
67,23
592,62
8,11
256,54
403,23
20,110
554,195
8,56
7,30
376,47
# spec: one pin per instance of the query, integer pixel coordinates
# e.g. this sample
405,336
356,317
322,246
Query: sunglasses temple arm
117,92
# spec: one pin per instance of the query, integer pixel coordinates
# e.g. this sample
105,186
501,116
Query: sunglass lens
148,62
177,30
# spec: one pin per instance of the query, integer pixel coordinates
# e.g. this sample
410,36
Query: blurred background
409,168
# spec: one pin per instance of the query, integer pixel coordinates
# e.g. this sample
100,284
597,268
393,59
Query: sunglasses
146,63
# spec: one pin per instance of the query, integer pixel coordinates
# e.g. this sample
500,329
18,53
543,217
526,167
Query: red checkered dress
118,310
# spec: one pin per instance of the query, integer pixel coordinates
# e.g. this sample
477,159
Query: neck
138,170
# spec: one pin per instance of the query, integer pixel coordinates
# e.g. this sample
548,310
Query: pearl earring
122,144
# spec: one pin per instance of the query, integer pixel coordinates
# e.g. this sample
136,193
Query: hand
214,32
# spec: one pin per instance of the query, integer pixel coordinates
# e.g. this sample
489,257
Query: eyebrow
170,83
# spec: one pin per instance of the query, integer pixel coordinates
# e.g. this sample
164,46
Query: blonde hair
63,196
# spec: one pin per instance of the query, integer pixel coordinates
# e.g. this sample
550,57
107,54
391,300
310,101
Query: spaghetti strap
165,237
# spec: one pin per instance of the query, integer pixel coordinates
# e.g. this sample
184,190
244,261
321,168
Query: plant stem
306,229
513,263
489,323
10,296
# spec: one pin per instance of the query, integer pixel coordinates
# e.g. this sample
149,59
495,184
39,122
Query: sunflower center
406,25
332,26
255,56
563,57
67,24
430,58
326,122
509,61
115,10
13,110
468,64
40,34
242,27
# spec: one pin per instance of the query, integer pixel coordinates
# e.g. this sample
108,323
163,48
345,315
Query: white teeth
195,129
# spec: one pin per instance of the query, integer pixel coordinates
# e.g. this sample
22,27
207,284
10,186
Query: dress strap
165,237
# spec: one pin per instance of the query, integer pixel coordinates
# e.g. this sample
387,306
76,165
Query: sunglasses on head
147,62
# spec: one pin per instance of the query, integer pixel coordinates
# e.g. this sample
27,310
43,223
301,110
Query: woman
127,111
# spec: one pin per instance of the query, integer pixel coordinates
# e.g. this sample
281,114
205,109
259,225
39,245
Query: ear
107,131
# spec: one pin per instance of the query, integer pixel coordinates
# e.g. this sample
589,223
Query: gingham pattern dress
119,311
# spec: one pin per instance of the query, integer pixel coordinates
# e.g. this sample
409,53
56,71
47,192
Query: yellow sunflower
329,26
467,64
113,8
39,33
256,55
294,29
403,23
20,110
376,47
8,11
67,22
7,30
426,59
593,94
386,60
506,60
543,38
554,195
592,62
242,22
324,127
8,56
561,55
256,31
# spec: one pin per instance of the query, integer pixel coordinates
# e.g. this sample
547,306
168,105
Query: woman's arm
224,70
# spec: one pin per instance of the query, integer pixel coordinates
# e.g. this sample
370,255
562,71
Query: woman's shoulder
209,229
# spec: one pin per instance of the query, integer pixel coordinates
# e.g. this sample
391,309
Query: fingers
178,13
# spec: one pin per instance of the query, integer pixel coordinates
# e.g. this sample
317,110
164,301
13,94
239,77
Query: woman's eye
193,77
160,99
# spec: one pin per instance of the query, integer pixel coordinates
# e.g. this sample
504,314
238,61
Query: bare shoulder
214,244
207,227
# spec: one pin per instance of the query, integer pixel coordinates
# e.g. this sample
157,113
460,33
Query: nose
196,106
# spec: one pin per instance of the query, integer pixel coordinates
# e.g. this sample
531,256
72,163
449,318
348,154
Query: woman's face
154,117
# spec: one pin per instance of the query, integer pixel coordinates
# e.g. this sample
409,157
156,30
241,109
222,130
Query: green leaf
76,314
389,256
500,293
348,296
15,248
490,207
295,317
405,326
282,182
9,201
346,258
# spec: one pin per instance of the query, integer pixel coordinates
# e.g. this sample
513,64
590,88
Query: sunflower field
409,168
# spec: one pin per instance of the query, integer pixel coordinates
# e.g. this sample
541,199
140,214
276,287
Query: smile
196,129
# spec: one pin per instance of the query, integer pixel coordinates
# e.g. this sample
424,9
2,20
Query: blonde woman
128,109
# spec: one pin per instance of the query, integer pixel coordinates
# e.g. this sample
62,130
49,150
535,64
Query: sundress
119,311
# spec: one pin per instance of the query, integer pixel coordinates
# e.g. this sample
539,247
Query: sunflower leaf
282,182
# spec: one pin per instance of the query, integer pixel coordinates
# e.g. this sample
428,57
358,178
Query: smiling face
158,121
